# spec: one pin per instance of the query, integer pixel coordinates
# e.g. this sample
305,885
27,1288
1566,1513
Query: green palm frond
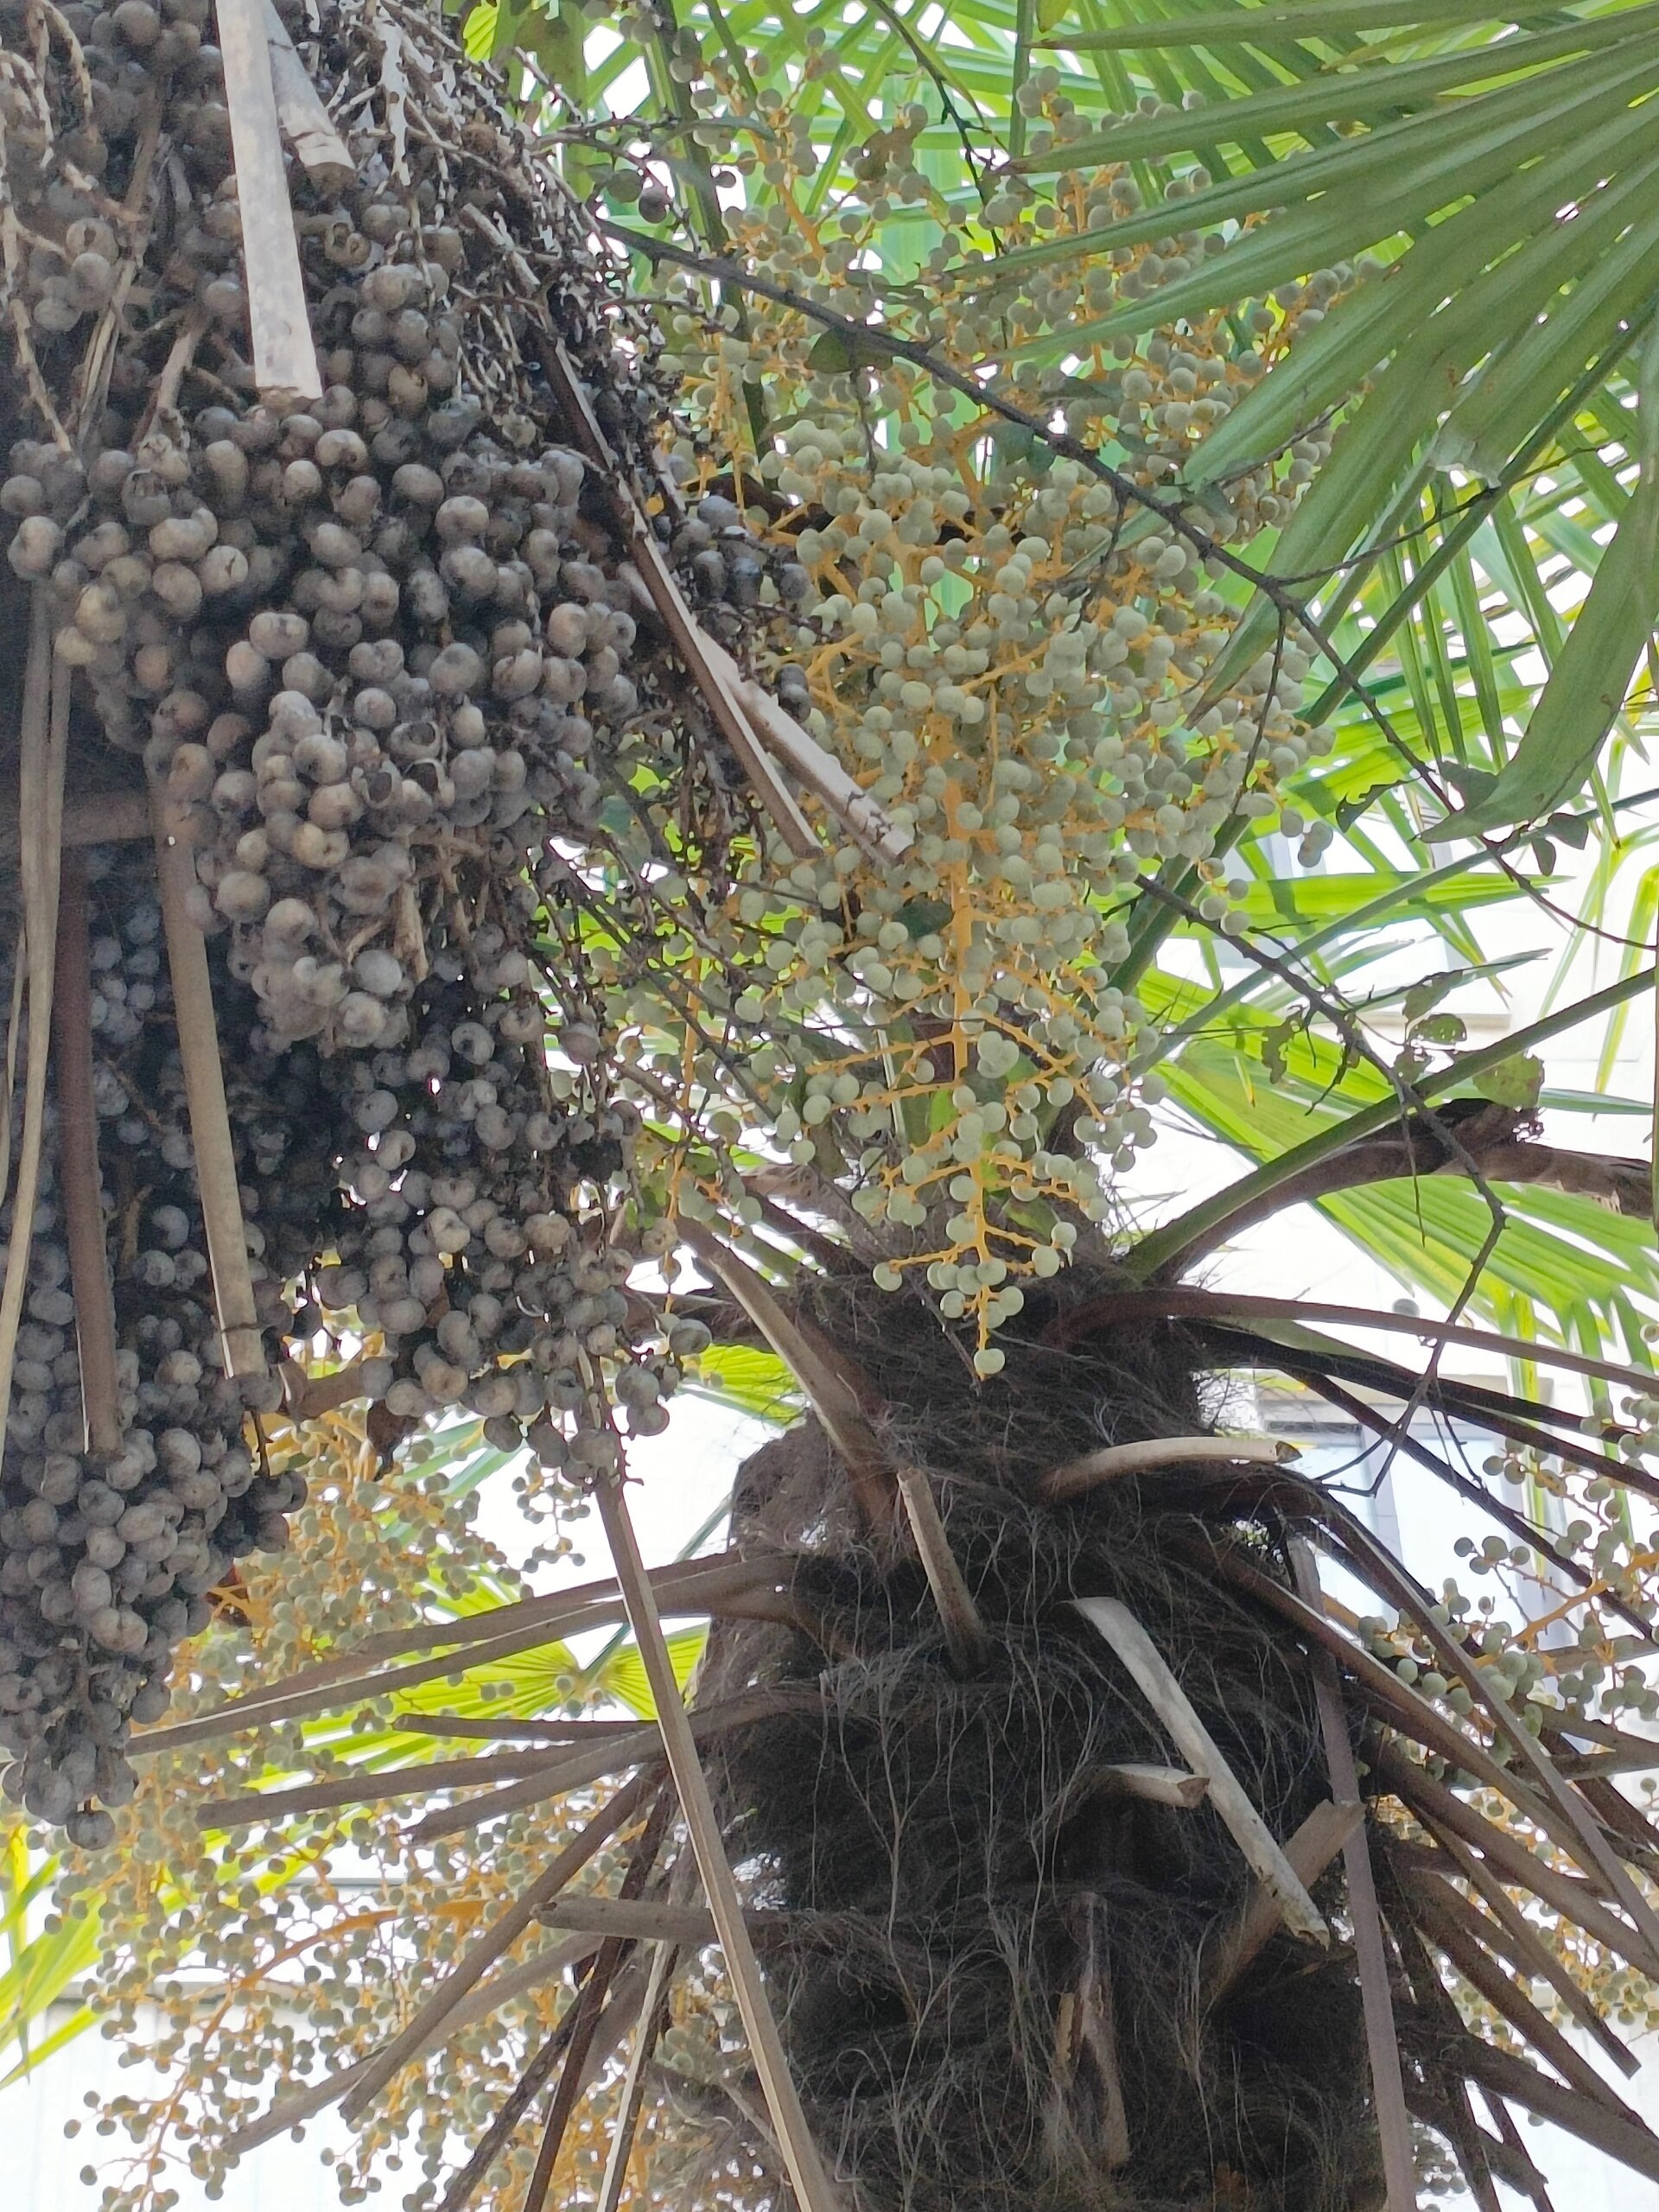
1565,1253
748,1381
1504,191
623,1676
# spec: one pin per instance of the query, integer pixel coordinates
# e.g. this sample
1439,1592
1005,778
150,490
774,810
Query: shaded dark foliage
954,1874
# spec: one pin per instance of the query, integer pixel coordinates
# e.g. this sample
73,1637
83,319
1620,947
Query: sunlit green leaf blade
1588,685
1257,26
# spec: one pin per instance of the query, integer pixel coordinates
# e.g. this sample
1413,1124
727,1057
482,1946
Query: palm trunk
1003,1975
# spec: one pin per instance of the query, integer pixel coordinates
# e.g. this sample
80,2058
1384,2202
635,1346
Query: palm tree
1221,439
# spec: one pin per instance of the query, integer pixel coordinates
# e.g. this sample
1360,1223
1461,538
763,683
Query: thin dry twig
683,626
1326,1831
428,2024
1147,1666
571,1769
284,354
12,255
43,750
800,2153
556,1770
1526,2178
320,150
193,328
653,2017
78,1168
1404,1709
519,2101
1156,1452
1180,1301
642,1920
1442,1809
1560,1806
964,1631
553,1731
867,823
489,1997
843,1399
589,2006
1460,1942
726,1583
217,1185
1510,1933
1383,2045
519,2098
1622,2136
1155,1785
